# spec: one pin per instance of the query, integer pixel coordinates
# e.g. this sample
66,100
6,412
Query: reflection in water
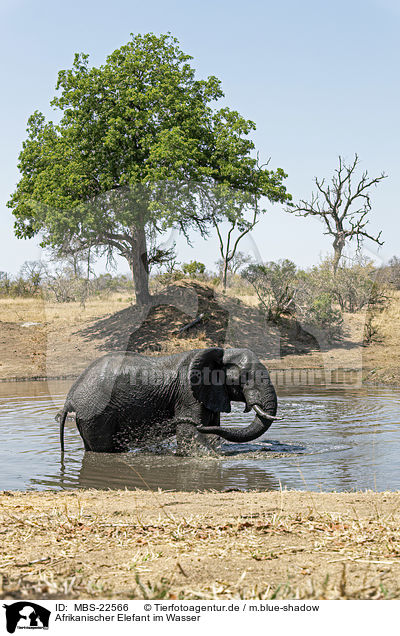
329,439
171,473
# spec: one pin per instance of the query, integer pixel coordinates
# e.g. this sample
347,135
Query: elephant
125,398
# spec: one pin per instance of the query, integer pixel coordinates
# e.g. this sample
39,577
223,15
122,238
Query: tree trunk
338,246
336,259
140,267
224,275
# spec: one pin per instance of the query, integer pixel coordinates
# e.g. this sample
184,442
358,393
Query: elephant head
218,377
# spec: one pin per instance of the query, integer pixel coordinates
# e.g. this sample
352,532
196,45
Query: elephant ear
207,378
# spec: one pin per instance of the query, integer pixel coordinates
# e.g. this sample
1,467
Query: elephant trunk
265,410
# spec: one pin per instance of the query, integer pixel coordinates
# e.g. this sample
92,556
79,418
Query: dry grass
382,358
200,545
18,310
247,298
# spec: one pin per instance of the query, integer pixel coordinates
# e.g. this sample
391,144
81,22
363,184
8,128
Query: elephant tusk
263,414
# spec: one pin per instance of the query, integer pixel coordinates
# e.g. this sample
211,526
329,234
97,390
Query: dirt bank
141,544
45,339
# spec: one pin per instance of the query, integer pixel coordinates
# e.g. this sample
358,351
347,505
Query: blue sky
318,78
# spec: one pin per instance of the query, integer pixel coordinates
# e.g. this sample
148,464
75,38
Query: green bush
352,287
169,277
193,269
275,284
390,273
323,315
307,296
357,287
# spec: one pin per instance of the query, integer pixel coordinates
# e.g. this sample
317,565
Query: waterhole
332,438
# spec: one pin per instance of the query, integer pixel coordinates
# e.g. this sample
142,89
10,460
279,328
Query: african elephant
125,398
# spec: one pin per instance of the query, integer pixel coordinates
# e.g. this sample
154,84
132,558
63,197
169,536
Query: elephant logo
26,615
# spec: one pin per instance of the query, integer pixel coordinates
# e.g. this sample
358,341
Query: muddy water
329,439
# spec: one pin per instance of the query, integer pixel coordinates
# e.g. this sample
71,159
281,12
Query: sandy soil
141,544
43,339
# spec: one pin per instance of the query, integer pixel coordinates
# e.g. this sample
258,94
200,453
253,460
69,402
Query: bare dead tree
343,205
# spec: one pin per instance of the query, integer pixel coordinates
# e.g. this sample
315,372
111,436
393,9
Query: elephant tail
63,417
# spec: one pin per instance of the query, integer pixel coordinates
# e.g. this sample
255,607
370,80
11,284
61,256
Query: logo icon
26,615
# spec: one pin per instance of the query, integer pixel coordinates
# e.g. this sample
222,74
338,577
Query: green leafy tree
133,139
